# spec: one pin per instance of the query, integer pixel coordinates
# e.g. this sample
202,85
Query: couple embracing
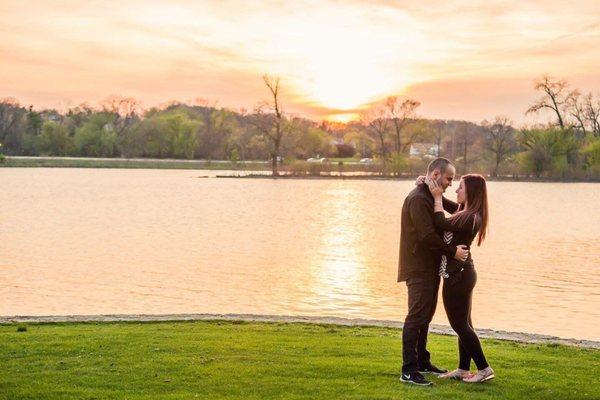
434,248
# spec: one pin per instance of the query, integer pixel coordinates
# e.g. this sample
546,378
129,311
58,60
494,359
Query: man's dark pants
422,300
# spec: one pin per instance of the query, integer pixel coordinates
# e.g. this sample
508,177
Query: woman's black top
458,233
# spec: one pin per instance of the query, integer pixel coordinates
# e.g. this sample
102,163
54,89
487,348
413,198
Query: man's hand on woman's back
462,253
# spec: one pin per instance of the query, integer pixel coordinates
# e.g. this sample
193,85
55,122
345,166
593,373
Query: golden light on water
340,263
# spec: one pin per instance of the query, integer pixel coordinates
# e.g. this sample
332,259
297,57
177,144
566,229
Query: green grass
344,159
187,360
123,163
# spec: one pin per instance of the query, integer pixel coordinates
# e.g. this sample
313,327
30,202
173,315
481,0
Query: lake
99,241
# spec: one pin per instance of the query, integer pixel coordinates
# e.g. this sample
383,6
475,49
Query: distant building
50,115
423,150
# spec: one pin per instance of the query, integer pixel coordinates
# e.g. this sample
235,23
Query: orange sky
461,59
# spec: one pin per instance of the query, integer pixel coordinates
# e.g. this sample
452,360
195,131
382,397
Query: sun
343,118
336,65
339,80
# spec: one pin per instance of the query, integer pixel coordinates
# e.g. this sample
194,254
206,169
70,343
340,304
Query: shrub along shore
259,360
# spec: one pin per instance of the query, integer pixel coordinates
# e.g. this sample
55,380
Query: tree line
392,133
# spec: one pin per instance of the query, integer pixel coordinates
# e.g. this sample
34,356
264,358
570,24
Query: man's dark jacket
421,245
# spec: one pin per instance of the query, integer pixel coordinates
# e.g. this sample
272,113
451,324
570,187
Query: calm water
91,241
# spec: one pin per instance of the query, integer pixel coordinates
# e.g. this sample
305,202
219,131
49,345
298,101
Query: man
421,248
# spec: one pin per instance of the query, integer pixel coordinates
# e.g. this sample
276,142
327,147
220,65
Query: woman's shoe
481,376
457,374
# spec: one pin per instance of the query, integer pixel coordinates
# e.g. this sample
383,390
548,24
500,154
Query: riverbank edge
390,178
522,337
130,163
244,168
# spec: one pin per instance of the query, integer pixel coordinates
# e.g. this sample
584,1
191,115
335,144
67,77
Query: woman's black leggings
457,302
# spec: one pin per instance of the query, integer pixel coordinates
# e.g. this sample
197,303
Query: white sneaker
481,376
456,374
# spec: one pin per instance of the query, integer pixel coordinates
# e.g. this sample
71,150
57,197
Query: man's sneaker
481,376
415,378
432,369
458,374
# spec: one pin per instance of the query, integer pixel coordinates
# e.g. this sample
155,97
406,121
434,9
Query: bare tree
438,137
124,109
585,111
270,121
124,106
575,108
11,114
466,137
377,122
556,98
400,113
591,111
501,142
465,147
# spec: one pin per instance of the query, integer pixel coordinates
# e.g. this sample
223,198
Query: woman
470,220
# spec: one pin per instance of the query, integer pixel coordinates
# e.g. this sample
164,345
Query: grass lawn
123,163
345,159
216,359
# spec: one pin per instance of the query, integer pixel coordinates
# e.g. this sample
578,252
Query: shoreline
244,169
390,178
521,337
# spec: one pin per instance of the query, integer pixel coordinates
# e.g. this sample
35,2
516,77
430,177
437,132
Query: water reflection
339,262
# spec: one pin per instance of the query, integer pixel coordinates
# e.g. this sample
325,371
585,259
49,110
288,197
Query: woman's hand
420,179
435,189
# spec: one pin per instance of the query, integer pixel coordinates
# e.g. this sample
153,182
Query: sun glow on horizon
345,63
460,60
343,118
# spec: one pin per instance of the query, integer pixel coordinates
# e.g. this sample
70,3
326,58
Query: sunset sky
462,59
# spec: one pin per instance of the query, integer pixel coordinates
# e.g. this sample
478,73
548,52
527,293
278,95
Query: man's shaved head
440,163
442,171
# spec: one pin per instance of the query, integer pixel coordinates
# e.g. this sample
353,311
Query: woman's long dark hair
477,205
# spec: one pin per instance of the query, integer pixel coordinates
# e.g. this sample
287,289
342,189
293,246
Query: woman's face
461,193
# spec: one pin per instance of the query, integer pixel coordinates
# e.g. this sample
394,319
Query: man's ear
435,174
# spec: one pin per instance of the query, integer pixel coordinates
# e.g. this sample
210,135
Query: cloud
333,56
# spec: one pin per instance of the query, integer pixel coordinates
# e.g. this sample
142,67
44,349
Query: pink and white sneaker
457,374
481,376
